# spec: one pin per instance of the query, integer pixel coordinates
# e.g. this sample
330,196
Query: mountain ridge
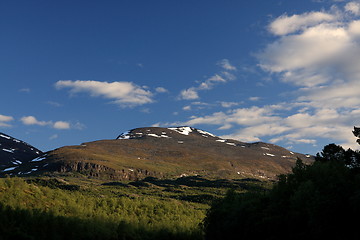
163,153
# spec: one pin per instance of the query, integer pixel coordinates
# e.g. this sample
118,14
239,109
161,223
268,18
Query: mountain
14,153
167,152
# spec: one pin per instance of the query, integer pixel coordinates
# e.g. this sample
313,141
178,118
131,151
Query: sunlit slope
170,152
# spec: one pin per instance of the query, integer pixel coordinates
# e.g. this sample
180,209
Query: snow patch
3,136
269,154
32,170
8,150
38,159
125,135
152,135
157,136
221,140
231,144
17,162
266,148
205,133
182,130
9,169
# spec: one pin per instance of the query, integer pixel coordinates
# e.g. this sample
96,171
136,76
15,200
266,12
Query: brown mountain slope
170,152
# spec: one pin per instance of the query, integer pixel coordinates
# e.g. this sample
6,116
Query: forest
317,201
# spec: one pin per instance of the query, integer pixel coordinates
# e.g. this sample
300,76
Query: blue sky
283,72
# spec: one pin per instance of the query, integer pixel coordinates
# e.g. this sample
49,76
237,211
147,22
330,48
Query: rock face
14,153
167,152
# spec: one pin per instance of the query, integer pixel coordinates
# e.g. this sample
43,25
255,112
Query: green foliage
313,202
29,211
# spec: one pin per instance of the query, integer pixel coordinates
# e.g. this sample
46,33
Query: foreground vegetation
75,208
318,201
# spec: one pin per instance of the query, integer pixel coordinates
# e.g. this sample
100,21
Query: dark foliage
336,153
53,183
315,201
37,224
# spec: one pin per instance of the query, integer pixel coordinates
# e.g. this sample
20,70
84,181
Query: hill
14,153
167,153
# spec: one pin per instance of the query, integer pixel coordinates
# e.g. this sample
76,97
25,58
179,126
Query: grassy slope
195,156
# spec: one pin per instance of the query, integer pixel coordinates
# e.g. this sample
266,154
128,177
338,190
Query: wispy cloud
53,137
124,94
55,104
161,90
4,120
27,90
208,84
225,64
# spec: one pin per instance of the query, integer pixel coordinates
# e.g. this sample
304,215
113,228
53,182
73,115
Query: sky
285,72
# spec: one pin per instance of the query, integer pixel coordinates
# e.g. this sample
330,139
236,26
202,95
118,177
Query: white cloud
52,137
189,94
229,104
4,120
254,99
60,125
210,82
241,116
225,63
187,108
222,77
31,120
318,52
317,47
289,24
161,90
305,126
353,7
125,94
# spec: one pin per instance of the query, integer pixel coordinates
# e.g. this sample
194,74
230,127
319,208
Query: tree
356,133
313,202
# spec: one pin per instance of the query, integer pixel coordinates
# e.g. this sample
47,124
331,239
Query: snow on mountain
152,151
14,153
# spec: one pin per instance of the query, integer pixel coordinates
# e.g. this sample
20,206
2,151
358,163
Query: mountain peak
161,152
160,132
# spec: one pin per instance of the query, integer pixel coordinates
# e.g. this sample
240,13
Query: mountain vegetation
77,208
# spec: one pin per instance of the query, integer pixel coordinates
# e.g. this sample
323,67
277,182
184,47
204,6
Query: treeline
29,211
318,201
